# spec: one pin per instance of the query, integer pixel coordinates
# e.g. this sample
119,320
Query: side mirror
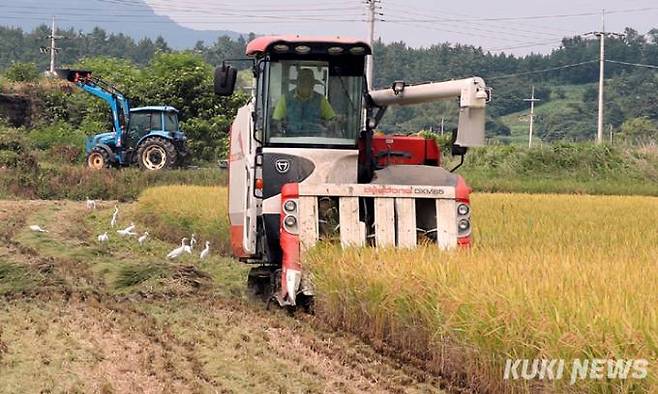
225,78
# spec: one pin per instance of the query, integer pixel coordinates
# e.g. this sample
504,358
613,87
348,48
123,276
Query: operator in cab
303,109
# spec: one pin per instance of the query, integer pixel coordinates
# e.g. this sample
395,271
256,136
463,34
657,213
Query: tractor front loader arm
105,91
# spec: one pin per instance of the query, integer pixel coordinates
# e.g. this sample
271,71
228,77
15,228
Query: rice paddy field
549,277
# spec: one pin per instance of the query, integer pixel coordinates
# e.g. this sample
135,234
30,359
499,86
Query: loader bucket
72,75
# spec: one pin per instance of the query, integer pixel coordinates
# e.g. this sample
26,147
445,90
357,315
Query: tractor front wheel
98,159
156,154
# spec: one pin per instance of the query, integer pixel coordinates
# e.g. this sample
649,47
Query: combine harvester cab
305,164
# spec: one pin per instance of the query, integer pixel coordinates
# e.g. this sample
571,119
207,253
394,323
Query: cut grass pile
566,277
174,212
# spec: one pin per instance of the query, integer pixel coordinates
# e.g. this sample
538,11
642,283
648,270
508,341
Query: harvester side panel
242,206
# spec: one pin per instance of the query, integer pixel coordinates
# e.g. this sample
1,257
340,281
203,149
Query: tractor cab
155,120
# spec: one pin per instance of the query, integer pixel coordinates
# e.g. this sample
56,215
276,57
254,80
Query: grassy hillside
562,99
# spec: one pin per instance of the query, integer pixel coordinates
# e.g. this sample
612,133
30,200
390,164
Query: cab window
140,122
156,121
313,103
171,121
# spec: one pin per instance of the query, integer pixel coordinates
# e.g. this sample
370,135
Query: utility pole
442,124
52,49
601,35
372,17
532,101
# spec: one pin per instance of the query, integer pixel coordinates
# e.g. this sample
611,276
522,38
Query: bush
59,133
65,154
208,139
15,152
78,183
22,72
560,159
639,130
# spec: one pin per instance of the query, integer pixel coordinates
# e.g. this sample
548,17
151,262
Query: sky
515,26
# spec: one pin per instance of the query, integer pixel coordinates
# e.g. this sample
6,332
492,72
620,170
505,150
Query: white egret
205,252
103,237
127,232
37,229
176,253
113,222
193,242
143,238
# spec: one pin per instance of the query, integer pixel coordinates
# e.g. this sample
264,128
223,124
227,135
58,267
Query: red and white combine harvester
305,165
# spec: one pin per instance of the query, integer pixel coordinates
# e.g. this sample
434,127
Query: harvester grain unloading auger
305,165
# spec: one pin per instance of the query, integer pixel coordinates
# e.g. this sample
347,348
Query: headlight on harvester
290,206
464,225
290,221
463,209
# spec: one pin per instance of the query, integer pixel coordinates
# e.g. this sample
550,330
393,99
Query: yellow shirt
281,109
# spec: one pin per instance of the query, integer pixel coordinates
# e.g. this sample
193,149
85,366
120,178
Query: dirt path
76,316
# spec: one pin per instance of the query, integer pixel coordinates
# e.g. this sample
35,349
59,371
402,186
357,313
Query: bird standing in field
205,252
37,229
193,242
128,231
91,204
187,249
113,222
103,238
143,238
176,253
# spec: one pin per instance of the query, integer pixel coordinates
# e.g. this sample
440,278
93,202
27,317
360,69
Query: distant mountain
133,18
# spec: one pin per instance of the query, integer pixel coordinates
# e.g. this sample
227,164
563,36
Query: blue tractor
147,136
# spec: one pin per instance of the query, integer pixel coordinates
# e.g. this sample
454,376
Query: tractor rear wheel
156,154
98,159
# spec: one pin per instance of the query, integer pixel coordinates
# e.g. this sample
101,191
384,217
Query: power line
530,17
632,64
527,45
541,71
464,33
263,19
534,26
507,30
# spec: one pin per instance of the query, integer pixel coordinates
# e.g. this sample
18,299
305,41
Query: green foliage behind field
151,73
564,168
64,115
60,176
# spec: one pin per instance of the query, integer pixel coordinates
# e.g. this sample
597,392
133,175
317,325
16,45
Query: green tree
639,130
23,72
